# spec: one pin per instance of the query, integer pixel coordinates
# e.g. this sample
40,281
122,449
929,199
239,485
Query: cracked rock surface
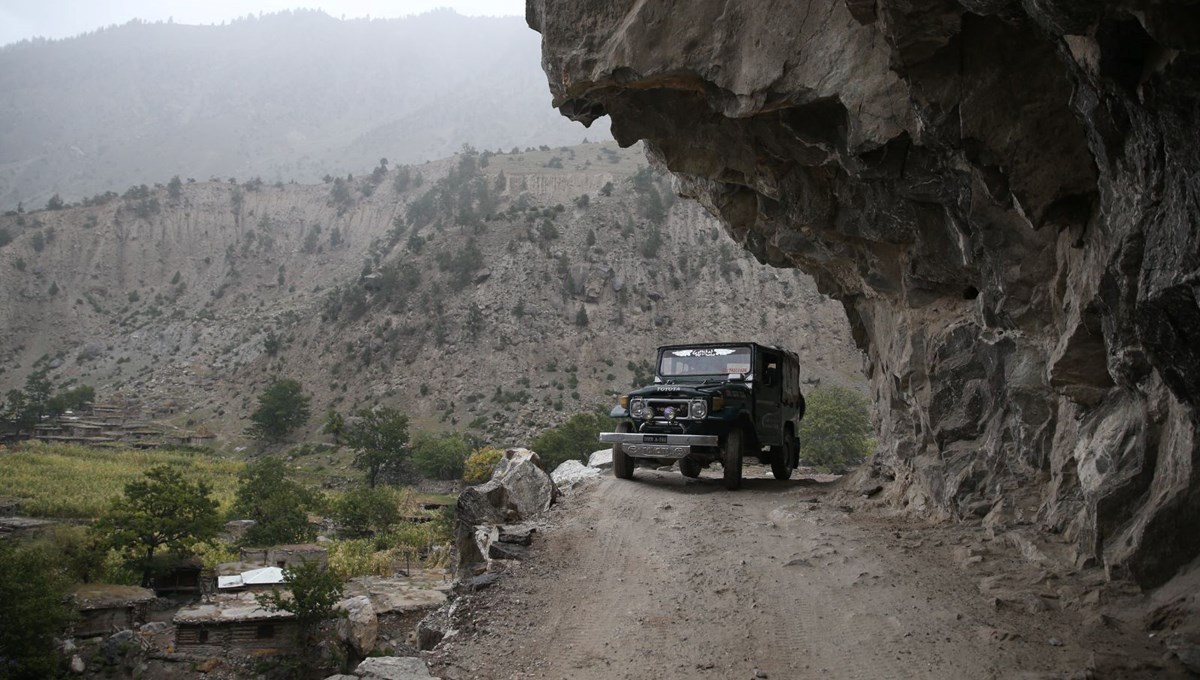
1003,196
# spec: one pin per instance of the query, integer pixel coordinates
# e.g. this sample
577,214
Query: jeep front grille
668,409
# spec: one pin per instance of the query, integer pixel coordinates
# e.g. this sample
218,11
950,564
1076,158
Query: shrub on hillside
367,511
33,588
440,456
574,439
480,464
836,429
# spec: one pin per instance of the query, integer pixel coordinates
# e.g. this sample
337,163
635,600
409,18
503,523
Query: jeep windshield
686,362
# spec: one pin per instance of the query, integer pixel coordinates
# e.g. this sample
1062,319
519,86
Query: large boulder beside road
359,628
393,668
601,460
518,490
571,474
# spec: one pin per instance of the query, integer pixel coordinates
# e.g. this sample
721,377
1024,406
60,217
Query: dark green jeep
712,402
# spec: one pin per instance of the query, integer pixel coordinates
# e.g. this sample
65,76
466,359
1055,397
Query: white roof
254,577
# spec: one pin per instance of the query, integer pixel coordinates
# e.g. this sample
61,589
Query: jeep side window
770,373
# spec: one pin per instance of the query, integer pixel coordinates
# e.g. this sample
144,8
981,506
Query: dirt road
665,577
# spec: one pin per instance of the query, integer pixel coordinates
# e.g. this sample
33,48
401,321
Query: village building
106,608
234,625
184,577
258,580
21,525
284,556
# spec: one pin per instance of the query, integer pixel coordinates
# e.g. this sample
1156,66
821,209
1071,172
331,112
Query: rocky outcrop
1002,195
601,460
572,473
393,668
359,627
518,490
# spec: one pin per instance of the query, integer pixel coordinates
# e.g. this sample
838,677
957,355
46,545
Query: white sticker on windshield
702,352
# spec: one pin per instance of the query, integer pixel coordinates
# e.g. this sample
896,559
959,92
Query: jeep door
768,392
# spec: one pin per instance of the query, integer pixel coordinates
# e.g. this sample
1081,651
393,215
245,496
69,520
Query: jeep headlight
637,407
698,409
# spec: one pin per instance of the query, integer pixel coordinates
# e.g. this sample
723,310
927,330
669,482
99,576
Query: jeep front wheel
622,464
689,467
731,459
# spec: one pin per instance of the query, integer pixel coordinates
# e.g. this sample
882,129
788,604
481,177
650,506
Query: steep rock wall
1003,195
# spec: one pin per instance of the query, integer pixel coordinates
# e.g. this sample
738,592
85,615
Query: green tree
22,409
314,591
33,612
272,344
175,188
282,408
836,429
278,505
17,412
334,426
76,550
163,511
581,317
365,511
574,439
75,399
440,456
653,243
380,435
55,203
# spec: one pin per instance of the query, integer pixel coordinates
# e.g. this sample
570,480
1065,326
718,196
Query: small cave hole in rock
970,293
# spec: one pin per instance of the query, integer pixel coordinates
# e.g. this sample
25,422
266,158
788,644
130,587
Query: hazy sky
20,19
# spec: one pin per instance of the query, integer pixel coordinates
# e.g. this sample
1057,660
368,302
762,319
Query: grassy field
75,481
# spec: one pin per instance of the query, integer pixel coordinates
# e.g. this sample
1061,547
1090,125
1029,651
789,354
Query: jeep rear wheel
689,467
622,464
783,458
731,459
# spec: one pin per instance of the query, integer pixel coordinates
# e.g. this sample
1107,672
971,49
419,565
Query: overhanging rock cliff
1003,195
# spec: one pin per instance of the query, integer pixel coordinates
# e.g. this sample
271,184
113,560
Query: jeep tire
622,464
783,458
731,459
689,467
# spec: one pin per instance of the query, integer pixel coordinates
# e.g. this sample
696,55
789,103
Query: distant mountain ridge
288,96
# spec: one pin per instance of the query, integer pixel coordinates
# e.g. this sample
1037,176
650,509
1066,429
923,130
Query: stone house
184,577
105,608
234,625
283,556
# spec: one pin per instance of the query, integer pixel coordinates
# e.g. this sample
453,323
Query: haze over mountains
289,96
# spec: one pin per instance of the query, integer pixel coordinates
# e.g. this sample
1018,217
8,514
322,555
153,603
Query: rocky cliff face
1004,197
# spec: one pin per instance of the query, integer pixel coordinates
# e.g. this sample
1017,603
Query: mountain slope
482,291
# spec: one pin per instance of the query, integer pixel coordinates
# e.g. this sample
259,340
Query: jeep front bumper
639,445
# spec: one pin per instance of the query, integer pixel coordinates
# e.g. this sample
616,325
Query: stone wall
1003,196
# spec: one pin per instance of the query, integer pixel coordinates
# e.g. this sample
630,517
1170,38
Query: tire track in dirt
666,577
